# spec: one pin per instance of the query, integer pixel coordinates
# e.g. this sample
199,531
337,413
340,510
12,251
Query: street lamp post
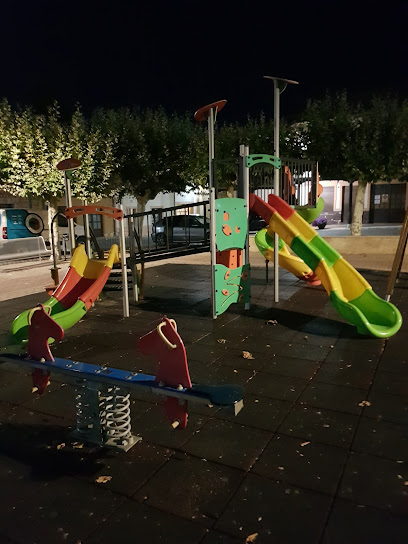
279,85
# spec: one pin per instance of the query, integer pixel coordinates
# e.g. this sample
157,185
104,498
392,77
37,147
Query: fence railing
168,232
298,181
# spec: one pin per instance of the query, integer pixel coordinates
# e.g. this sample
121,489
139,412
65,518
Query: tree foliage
357,142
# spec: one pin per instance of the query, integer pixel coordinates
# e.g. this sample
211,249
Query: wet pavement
319,453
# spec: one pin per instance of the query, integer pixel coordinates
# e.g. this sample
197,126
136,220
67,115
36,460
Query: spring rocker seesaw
102,394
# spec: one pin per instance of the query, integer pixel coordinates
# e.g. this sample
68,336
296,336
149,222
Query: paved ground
367,230
319,454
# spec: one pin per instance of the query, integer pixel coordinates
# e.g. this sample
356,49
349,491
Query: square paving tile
350,375
303,337
358,524
387,407
260,412
269,508
394,362
366,344
314,466
63,510
291,366
377,482
195,489
236,359
228,443
390,382
128,470
214,537
275,386
322,327
259,345
350,356
17,481
304,351
134,522
60,402
153,426
382,438
24,432
333,397
319,425
15,388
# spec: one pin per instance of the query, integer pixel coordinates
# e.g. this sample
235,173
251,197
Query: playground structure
103,394
317,261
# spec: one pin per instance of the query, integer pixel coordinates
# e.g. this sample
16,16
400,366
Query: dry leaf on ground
103,479
304,443
271,322
364,403
251,538
221,341
247,355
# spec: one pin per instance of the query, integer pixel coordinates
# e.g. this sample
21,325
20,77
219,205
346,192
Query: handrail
75,211
169,209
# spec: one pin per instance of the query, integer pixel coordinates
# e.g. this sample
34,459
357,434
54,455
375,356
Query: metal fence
298,181
168,232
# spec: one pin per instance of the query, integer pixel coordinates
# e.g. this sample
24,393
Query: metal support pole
68,202
276,186
125,292
131,228
245,196
213,245
87,233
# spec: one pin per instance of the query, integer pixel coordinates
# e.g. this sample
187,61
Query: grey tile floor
306,460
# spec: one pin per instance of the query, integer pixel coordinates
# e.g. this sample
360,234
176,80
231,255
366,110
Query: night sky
185,54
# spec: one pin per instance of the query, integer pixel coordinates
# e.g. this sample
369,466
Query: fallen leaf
103,479
271,322
251,538
60,446
77,446
247,355
399,476
305,443
364,403
221,341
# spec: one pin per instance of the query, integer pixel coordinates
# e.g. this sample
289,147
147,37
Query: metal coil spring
115,414
87,409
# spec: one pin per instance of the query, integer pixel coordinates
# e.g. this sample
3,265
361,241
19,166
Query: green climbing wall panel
231,285
231,223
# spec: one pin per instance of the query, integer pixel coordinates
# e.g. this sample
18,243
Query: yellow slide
264,242
350,293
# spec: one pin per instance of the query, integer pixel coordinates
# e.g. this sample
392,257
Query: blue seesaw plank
225,395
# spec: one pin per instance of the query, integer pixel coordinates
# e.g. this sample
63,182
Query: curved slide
350,293
75,294
265,243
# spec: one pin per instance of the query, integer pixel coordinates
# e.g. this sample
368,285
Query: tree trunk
141,207
358,209
52,210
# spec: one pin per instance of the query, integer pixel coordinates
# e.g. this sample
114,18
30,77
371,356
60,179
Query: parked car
181,229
